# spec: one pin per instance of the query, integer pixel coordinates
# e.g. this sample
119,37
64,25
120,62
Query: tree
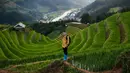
86,18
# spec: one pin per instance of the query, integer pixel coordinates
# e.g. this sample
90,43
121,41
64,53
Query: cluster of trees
103,16
125,9
87,18
47,28
99,9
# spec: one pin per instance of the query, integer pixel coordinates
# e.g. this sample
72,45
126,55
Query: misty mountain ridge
13,11
103,6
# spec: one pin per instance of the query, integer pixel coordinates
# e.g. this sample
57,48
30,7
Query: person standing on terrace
65,44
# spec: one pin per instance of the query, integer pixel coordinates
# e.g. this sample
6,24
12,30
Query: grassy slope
89,48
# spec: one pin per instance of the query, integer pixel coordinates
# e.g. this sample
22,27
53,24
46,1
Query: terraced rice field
95,48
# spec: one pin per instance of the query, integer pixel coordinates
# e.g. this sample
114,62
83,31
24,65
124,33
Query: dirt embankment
6,71
58,67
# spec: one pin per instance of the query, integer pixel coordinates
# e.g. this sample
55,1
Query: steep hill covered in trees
103,6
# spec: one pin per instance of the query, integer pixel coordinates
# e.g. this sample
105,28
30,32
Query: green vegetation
86,18
72,30
90,48
30,67
78,25
113,27
52,28
99,38
116,9
125,21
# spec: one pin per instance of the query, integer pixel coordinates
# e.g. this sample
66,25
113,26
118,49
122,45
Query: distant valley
13,11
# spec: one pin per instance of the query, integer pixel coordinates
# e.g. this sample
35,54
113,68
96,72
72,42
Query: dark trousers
65,50
65,53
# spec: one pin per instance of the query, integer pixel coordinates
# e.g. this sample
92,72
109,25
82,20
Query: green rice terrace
100,47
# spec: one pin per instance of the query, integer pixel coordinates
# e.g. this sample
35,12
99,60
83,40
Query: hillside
54,29
103,6
97,48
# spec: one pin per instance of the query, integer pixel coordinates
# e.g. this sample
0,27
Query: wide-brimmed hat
64,33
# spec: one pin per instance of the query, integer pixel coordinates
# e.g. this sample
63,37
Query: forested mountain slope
103,6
